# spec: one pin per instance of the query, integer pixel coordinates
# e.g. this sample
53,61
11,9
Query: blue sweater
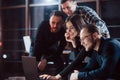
105,63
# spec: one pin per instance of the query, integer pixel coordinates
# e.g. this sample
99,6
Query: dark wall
110,12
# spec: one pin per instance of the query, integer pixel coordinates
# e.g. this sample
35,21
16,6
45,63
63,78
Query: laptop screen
27,43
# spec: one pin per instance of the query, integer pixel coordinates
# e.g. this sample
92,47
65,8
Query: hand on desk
74,75
49,77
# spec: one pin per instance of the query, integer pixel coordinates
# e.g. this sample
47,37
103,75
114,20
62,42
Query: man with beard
105,56
50,42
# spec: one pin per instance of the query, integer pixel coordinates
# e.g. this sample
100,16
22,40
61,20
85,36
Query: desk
10,68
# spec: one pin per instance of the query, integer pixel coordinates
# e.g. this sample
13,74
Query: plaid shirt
89,16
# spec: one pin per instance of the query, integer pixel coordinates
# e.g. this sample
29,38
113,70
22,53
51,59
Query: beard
54,30
92,46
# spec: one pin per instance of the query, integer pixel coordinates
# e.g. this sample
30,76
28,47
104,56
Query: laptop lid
30,68
27,43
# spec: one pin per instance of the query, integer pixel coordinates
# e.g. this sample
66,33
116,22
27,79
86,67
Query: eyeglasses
82,39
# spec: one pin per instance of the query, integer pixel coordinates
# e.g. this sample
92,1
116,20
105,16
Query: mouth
53,28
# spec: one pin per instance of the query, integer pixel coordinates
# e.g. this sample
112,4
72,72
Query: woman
73,27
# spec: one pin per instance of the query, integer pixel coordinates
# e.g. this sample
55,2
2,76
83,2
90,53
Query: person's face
87,40
56,23
70,29
68,7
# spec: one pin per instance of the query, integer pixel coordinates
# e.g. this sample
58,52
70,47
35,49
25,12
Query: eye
71,27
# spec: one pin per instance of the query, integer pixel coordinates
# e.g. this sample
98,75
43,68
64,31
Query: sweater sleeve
110,60
72,66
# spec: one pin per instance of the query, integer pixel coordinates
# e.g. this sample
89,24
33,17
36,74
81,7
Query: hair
75,19
59,14
91,28
63,1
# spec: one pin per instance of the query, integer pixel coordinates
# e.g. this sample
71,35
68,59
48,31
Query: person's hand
69,38
45,76
74,75
48,77
42,64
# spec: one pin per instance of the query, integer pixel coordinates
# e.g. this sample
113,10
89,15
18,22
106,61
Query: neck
96,48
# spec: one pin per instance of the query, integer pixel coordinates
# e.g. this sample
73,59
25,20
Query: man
50,41
105,57
89,16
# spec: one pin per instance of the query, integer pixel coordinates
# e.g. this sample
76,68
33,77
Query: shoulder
111,43
84,8
109,46
43,24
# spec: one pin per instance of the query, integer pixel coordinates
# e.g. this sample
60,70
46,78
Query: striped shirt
89,16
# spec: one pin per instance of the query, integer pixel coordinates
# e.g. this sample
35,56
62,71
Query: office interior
20,18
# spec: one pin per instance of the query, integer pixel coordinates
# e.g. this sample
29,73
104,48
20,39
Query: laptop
30,68
29,63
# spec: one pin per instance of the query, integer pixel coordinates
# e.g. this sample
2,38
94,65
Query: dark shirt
103,64
78,61
48,43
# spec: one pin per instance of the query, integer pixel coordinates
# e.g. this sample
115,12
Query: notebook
30,68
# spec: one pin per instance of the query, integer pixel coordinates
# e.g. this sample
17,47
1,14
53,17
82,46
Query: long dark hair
76,20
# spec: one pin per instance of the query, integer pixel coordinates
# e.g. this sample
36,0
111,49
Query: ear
95,35
75,3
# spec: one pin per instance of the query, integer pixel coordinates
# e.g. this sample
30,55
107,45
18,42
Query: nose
82,42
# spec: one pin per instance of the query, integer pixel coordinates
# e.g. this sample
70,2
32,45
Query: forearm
72,66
